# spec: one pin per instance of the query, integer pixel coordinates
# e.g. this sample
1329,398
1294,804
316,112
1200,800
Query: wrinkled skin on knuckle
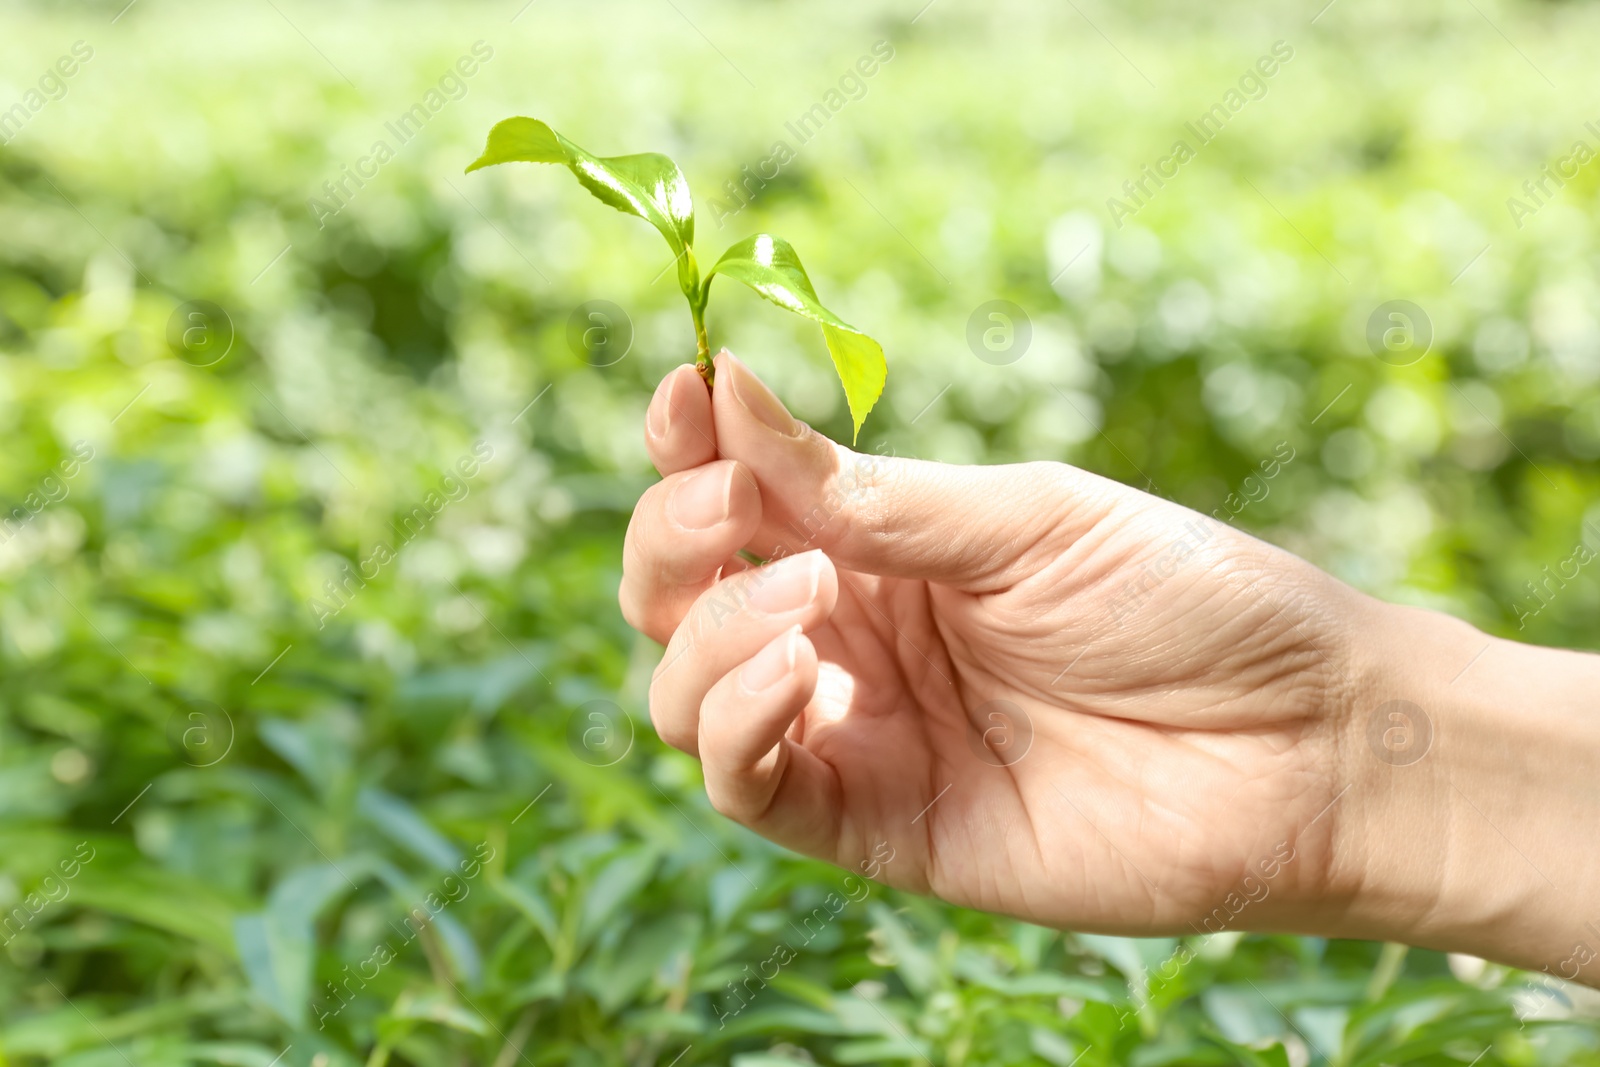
1292,647
1065,531
1054,494
843,501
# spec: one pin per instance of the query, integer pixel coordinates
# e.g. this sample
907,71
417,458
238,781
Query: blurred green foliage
266,786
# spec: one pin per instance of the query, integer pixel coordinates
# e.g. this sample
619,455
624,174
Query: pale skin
1061,699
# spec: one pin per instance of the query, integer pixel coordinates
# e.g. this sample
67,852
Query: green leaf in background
531,903
458,944
232,1054
313,747
277,964
145,895
770,266
434,1008
648,184
616,883
193,538
278,946
400,823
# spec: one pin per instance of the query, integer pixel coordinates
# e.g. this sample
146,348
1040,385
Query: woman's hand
1051,695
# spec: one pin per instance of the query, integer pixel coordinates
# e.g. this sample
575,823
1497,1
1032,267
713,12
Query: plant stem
702,356
519,1037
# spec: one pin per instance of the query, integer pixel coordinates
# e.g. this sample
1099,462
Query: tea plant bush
258,743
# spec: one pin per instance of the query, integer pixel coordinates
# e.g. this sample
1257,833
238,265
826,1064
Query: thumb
975,528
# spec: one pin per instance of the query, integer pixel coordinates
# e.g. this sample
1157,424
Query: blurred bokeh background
229,770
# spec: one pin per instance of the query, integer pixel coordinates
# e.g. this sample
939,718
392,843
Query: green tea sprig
651,186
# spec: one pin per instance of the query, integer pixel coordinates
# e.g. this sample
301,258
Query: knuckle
673,719
851,503
632,613
724,804
652,699
644,525
668,725
645,613
1054,480
731,799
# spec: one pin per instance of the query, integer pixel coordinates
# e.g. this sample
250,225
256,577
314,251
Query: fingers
683,534
977,528
754,773
729,624
678,431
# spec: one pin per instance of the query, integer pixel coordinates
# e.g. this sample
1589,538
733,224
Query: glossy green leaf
770,266
648,184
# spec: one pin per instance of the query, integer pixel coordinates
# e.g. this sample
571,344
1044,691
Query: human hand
1055,697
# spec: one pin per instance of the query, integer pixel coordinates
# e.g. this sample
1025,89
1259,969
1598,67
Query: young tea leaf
652,187
648,185
770,266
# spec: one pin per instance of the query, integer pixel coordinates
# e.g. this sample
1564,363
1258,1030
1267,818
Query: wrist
1473,766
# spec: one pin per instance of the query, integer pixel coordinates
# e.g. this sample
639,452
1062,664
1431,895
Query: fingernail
658,417
757,399
772,664
701,501
788,584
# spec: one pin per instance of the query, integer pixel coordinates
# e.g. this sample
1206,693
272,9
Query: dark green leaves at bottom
648,184
770,266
